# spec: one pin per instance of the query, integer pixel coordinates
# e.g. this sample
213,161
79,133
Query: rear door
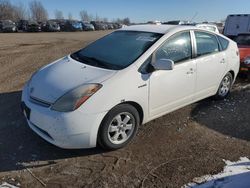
211,64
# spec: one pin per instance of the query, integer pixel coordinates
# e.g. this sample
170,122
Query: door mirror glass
163,64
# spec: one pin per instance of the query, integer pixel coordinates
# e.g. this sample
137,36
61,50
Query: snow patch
7,185
235,175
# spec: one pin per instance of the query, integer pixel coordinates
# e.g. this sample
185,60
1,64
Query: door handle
223,61
191,71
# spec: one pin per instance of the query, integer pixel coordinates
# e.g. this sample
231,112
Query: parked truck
236,24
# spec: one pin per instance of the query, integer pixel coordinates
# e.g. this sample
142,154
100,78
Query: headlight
75,98
247,61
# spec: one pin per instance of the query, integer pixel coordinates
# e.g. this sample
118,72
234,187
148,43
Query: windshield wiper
97,62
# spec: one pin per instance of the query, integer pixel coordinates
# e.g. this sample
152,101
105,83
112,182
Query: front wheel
225,86
118,127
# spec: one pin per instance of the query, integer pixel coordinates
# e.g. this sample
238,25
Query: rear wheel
225,86
118,127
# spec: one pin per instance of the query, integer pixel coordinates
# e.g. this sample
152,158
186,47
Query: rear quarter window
223,42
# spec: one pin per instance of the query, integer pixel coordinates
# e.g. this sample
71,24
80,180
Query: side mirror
163,64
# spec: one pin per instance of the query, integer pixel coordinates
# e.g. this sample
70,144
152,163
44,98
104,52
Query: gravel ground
167,152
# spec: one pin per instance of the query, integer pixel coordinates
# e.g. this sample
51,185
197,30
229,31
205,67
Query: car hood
55,79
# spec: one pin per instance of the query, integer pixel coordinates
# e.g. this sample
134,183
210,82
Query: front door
172,89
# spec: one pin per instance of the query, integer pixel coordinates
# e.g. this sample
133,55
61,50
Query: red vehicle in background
243,41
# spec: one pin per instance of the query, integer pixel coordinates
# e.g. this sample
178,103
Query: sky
146,10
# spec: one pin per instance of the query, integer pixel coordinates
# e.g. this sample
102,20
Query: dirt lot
167,152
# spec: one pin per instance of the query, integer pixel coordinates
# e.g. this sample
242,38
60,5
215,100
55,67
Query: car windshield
116,50
243,40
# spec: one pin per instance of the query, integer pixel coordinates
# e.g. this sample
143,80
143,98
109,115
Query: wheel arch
137,107
131,103
232,73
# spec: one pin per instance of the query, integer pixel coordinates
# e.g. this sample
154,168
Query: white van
235,24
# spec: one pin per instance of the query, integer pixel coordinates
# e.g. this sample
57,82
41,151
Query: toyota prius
102,93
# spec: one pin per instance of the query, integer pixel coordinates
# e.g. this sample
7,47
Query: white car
103,92
209,27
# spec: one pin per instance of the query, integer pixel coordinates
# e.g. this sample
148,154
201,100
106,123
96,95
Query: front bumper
69,130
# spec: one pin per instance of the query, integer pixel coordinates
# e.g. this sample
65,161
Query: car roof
202,24
157,28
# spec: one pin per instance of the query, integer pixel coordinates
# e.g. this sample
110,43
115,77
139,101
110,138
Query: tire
118,127
225,87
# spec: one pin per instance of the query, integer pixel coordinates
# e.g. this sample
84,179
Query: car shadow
19,145
229,116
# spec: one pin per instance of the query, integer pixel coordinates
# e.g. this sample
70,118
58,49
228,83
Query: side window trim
194,46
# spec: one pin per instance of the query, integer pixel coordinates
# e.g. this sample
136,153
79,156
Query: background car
178,22
7,26
110,26
243,41
209,27
98,25
117,25
70,25
86,26
33,26
50,26
22,25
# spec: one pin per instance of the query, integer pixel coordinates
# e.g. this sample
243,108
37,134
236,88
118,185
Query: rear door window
206,43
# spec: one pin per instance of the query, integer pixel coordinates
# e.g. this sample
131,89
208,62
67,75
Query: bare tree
38,12
70,17
118,20
91,17
58,14
97,18
126,21
6,10
84,16
105,19
20,12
